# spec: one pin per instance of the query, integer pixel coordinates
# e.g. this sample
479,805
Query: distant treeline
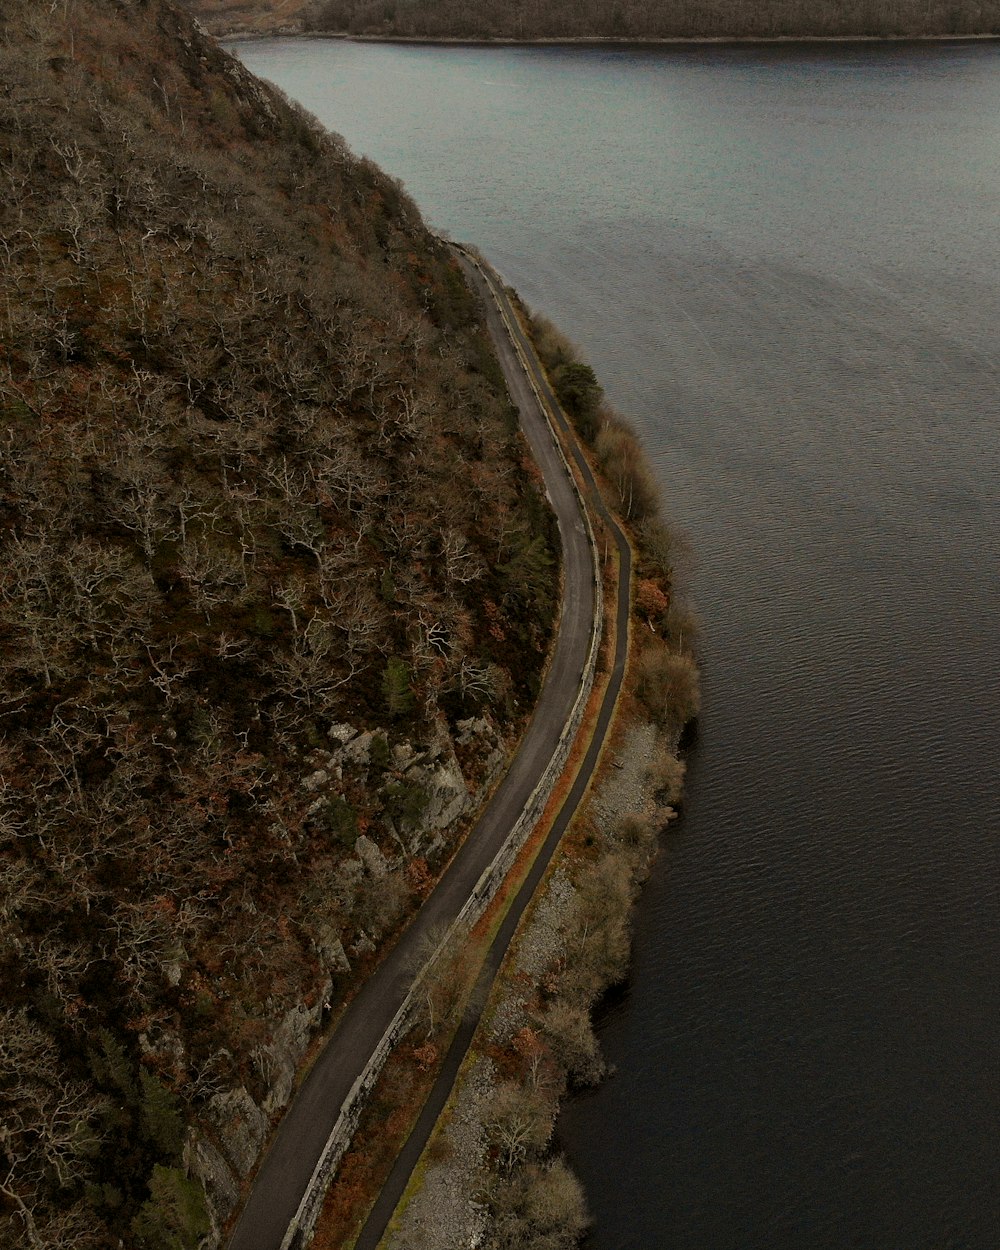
652,19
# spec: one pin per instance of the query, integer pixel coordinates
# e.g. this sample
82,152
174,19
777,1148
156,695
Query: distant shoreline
602,41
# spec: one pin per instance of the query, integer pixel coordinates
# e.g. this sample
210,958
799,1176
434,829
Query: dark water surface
785,266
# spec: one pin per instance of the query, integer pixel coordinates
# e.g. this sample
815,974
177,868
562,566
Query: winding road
271,1215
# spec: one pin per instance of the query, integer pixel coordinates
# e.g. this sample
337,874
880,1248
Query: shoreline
603,41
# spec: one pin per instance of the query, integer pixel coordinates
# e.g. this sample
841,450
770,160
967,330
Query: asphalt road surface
301,1137
392,1191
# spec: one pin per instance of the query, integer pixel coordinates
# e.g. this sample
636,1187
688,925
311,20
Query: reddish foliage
426,1056
420,876
651,601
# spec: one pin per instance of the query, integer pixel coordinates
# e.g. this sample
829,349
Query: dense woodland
607,19
260,489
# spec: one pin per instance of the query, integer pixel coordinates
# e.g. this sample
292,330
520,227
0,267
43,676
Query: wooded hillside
275,589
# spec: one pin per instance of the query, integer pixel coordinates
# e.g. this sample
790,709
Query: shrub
405,801
339,818
652,602
162,1123
555,1204
579,393
657,545
627,470
396,686
667,685
553,347
637,831
541,1207
379,755
666,775
574,1046
518,1124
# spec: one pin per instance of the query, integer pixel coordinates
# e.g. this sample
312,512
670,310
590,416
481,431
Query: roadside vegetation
624,19
498,1183
529,1197
662,664
501,1185
274,569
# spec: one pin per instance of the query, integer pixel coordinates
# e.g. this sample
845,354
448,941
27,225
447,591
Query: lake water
784,264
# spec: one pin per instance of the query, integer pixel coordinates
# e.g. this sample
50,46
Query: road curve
392,1191
285,1172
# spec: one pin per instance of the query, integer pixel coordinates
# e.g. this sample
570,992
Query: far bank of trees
651,19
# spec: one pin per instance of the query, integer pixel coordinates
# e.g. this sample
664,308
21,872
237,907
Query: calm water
785,265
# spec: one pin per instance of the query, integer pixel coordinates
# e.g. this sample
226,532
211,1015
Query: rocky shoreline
489,1175
477,1149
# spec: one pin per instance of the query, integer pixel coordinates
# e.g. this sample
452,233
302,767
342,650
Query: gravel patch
625,788
541,944
443,1214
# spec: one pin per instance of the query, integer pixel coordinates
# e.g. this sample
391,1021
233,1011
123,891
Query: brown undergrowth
271,568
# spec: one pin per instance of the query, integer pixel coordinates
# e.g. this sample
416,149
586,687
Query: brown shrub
668,687
638,834
553,347
567,1027
627,470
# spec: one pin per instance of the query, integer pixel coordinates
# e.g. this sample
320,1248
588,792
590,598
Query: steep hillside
275,589
625,19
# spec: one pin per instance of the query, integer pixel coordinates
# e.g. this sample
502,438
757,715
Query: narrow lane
299,1142
381,1213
